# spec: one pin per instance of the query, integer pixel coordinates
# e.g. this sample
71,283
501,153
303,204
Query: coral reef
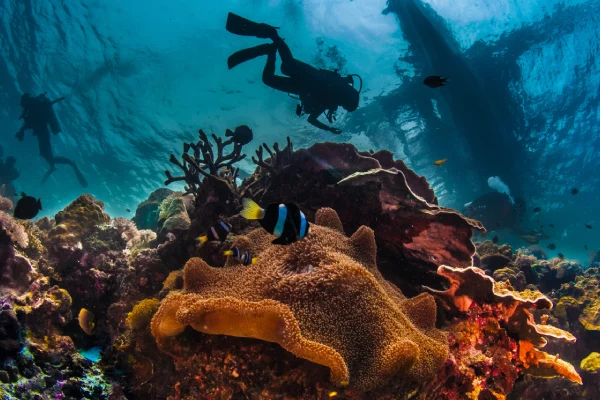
297,296
305,319
76,221
204,163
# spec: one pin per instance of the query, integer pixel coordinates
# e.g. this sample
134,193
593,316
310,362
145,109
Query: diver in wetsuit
38,115
320,91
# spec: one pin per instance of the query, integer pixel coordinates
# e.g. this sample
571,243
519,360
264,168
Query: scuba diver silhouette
319,91
37,115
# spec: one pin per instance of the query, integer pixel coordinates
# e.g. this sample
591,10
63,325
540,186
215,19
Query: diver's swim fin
48,173
80,176
248,54
244,27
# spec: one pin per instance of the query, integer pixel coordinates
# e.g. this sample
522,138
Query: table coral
299,296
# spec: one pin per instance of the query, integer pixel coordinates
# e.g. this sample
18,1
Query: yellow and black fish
216,232
242,256
285,221
86,320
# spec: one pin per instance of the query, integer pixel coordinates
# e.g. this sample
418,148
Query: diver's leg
280,83
248,54
78,174
244,27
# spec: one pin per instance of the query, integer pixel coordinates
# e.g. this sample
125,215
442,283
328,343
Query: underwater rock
298,296
10,338
76,221
146,214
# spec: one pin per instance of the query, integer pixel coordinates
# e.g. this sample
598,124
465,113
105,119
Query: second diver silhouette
319,91
38,115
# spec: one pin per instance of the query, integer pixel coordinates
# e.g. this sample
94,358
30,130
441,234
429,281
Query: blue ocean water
139,78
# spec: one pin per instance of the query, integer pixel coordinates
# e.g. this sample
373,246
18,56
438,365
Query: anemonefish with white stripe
218,231
242,256
285,221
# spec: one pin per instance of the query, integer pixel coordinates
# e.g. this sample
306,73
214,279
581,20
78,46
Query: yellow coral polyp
142,313
591,363
299,296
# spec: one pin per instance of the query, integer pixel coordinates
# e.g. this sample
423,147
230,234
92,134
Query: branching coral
277,162
204,163
469,286
298,296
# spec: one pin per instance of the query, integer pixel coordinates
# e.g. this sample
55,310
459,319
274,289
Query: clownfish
285,221
216,232
242,256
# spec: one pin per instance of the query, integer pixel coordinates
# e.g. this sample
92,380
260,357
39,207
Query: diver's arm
313,120
57,100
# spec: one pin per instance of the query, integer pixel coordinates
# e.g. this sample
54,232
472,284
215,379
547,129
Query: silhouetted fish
530,239
551,246
128,210
588,226
560,256
241,135
574,191
435,81
551,225
27,207
495,239
585,246
537,210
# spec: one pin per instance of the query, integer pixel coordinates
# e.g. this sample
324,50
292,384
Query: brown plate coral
321,298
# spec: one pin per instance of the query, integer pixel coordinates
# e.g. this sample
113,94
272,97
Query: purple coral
5,204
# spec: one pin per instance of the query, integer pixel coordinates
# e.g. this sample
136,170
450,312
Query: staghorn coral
77,220
469,286
142,313
298,296
204,163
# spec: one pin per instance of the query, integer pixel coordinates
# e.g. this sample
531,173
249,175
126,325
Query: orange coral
471,284
543,364
321,298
